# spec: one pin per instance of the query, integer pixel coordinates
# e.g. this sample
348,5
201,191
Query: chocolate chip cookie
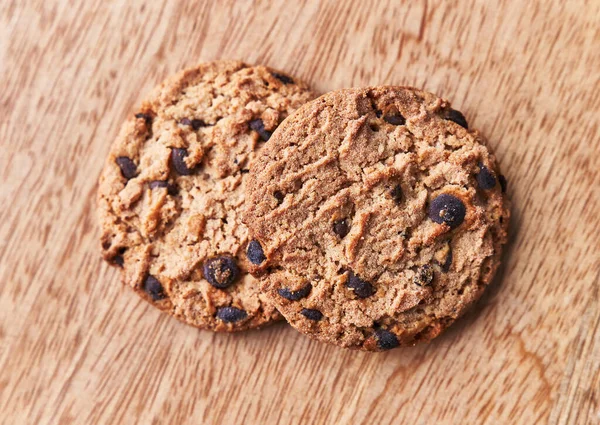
172,191
377,217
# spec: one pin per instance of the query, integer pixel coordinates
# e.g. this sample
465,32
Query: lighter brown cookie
172,191
379,216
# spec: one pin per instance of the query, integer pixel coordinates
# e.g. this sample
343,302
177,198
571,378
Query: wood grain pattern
78,348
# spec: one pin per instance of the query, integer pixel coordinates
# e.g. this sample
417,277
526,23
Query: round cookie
378,215
172,191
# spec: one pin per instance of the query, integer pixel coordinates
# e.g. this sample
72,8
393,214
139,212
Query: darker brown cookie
172,191
377,217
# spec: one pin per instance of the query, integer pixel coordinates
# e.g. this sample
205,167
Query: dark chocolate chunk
311,314
457,117
295,295
395,119
386,340
485,178
157,184
503,183
258,126
173,189
447,209
178,156
118,258
154,288
424,275
231,314
396,193
361,288
283,78
244,171
255,253
279,196
378,113
194,123
127,166
341,228
145,117
221,271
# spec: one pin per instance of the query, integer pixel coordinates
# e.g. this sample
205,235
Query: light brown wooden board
77,347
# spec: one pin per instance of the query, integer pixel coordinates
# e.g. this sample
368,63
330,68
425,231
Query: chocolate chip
485,178
295,295
341,228
194,123
178,156
311,314
118,259
127,166
172,189
221,271
361,288
457,117
283,78
244,171
396,193
258,126
154,288
279,196
378,113
255,253
447,209
395,119
231,314
503,183
386,340
157,184
424,275
145,117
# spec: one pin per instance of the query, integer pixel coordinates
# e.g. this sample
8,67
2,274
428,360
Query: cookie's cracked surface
376,225
171,193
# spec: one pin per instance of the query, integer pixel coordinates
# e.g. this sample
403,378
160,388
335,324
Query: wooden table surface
77,347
